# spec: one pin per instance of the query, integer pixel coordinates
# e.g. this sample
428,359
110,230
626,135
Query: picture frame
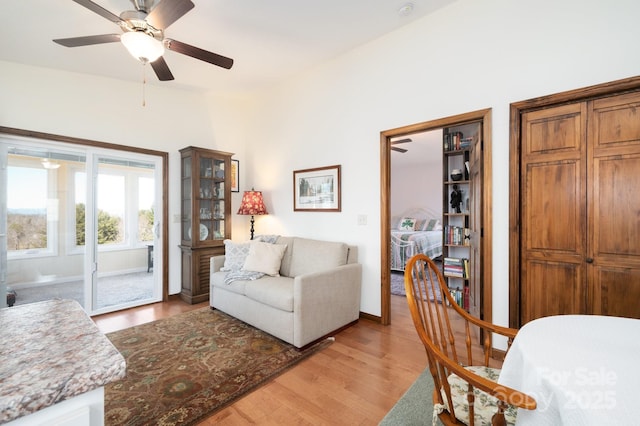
235,176
317,190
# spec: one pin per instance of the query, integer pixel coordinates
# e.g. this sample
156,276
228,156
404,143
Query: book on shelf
456,267
456,294
461,297
465,143
453,141
457,235
465,300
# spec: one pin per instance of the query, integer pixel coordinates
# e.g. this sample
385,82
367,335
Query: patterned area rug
397,286
397,283
184,368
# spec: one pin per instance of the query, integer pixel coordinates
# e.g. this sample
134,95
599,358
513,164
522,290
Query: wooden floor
355,381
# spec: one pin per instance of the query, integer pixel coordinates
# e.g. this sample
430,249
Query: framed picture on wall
235,176
317,189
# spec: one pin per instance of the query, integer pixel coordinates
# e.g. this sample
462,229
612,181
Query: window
118,225
31,213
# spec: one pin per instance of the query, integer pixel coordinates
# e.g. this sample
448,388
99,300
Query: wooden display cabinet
206,216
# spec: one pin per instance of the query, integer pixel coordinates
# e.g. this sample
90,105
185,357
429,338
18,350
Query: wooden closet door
613,273
553,212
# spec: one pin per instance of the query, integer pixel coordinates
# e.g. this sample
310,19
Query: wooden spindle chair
464,392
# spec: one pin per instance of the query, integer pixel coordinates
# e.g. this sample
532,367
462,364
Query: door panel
552,288
124,202
616,208
614,225
475,226
553,130
616,121
617,292
553,212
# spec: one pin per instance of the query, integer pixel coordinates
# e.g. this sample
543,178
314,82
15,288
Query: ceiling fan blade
196,52
402,150
99,10
401,141
167,12
88,40
161,69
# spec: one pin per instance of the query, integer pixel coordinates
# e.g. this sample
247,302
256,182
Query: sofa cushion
310,256
264,257
217,280
285,266
273,291
235,253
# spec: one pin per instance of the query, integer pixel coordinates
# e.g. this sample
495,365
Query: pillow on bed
407,224
431,226
420,225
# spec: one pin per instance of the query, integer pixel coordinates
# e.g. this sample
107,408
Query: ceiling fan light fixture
142,46
50,165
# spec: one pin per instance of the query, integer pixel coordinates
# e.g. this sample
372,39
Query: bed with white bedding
415,231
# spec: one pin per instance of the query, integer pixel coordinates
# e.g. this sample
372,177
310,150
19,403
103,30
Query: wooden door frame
483,115
517,109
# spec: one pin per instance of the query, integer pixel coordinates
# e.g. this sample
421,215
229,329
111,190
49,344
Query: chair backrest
449,349
424,283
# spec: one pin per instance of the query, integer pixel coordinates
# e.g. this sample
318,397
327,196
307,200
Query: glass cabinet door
187,215
211,199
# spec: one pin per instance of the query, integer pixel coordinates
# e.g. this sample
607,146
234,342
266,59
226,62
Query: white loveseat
316,292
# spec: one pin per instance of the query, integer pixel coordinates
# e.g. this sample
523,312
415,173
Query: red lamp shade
252,203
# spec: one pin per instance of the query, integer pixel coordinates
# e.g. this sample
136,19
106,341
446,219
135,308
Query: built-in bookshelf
458,144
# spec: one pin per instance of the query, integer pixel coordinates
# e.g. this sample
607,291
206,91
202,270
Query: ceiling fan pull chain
144,83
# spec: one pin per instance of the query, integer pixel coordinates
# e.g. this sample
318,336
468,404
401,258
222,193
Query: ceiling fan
143,34
399,141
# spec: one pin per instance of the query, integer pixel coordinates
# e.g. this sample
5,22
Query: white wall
414,186
469,56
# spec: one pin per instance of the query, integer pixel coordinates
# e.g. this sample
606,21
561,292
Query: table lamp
252,204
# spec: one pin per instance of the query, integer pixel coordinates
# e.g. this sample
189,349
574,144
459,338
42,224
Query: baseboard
370,317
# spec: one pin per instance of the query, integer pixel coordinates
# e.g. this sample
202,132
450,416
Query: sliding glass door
79,222
125,230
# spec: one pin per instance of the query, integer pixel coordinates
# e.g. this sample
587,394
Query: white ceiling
270,40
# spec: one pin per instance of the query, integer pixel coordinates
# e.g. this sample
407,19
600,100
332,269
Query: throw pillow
235,253
265,258
407,224
431,226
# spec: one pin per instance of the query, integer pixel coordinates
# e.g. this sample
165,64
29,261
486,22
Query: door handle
589,260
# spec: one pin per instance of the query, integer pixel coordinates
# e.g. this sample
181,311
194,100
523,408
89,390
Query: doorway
79,221
386,139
